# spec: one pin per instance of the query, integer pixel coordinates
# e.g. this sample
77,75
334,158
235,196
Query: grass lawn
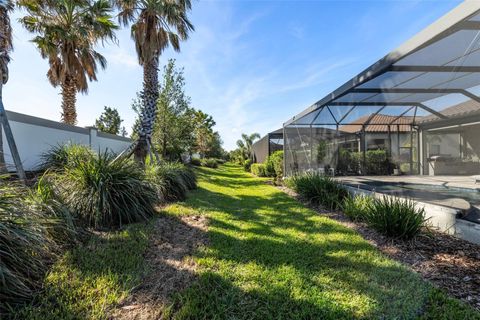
268,257
271,258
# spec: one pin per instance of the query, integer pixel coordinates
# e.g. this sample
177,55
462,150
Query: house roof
379,123
463,109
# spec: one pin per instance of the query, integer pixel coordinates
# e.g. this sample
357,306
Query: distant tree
215,147
109,121
173,128
203,124
124,132
246,144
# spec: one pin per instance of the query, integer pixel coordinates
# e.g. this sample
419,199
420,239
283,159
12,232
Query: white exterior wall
34,136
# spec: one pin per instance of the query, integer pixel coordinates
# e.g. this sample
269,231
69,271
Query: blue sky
252,65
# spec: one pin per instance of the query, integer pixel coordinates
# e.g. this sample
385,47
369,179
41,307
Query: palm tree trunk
148,114
69,99
3,166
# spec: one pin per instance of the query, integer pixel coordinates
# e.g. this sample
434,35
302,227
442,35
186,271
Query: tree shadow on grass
270,257
143,263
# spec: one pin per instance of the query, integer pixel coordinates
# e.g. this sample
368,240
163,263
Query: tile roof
459,110
379,123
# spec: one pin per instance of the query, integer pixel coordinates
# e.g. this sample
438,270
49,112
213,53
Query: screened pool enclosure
415,112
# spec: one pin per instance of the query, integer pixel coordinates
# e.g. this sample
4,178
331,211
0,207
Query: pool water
470,195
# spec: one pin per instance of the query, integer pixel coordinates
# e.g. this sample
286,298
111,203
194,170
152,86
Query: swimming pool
470,195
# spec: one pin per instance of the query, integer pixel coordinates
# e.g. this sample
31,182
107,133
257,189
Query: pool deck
421,195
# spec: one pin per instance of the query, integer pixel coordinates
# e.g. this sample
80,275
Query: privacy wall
35,136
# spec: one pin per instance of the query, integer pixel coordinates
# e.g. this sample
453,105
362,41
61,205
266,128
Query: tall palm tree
156,24
246,144
67,31
5,48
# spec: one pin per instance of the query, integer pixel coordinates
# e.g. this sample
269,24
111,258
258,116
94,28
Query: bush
195,162
395,217
247,164
210,163
45,198
106,193
277,159
24,247
258,169
356,208
171,180
61,156
220,161
318,189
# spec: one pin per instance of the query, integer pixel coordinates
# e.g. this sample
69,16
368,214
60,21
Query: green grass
271,258
92,278
268,257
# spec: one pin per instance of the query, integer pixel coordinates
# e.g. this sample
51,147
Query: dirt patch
171,266
448,262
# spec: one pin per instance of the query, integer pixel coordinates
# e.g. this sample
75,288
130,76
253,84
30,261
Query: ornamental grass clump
171,180
45,198
318,189
356,208
105,192
25,247
258,169
210,163
196,162
61,156
394,217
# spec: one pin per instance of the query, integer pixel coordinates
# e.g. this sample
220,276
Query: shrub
24,247
277,160
318,189
220,161
60,156
171,180
195,162
107,193
258,169
210,163
395,217
247,164
356,208
44,197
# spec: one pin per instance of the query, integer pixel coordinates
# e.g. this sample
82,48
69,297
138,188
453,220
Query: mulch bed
171,266
448,262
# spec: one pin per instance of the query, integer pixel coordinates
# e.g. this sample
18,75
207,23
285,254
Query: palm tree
156,24
246,144
5,47
67,31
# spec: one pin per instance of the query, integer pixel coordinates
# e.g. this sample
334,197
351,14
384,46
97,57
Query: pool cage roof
432,77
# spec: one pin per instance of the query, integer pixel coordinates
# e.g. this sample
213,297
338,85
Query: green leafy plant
25,246
210,163
394,217
196,162
45,198
321,151
258,169
105,193
318,189
247,164
63,155
274,165
171,180
356,208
